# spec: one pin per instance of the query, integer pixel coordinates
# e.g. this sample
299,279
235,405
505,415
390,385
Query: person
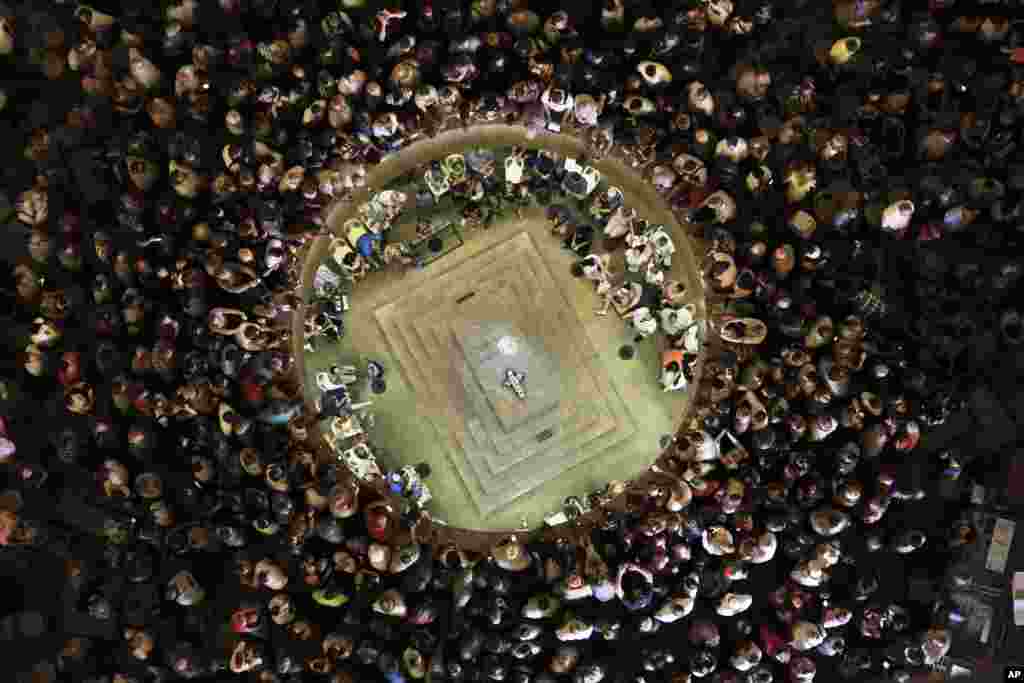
672,376
413,486
643,322
334,402
424,228
624,298
620,222
558,106
363,239
595,268
639,251
587,111
664,246
580,180
580,239
675,321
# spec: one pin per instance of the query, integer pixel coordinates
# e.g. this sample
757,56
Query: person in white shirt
672,377
675,320
514,165
640,251
595,268
664,246
360,460
654,275
643,322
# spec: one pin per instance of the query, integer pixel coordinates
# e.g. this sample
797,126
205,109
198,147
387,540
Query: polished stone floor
447,333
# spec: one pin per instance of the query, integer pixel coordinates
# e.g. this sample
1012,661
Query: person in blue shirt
367,243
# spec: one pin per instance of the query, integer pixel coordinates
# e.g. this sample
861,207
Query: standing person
587,111
600,140
557,105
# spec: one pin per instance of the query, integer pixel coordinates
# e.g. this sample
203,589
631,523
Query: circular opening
439,251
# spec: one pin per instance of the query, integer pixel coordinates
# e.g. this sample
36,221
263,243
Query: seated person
329,381
361,462
579,181
604,203
334,402
542,163
412,477
401,252
672,293
424,228
653,274
514,165
436,180
594,267
454,168
560,218
638,254
643,322
627,297
620,223
361,238
675,320
580,240
672,376
664,247
351,262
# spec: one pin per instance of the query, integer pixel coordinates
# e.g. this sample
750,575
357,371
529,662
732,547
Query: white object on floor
1017,593
555,519
346,374
324,382
999,549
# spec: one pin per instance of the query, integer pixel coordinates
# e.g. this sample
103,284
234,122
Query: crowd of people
853,167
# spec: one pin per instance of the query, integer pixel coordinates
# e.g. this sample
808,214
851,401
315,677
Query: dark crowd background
949,302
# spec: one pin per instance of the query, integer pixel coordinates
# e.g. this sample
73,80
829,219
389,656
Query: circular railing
620,170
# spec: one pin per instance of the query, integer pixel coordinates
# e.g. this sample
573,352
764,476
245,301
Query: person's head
79,399
423,470
387,663
282,609
99,607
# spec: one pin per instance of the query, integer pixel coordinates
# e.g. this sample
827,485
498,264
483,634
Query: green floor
409,425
